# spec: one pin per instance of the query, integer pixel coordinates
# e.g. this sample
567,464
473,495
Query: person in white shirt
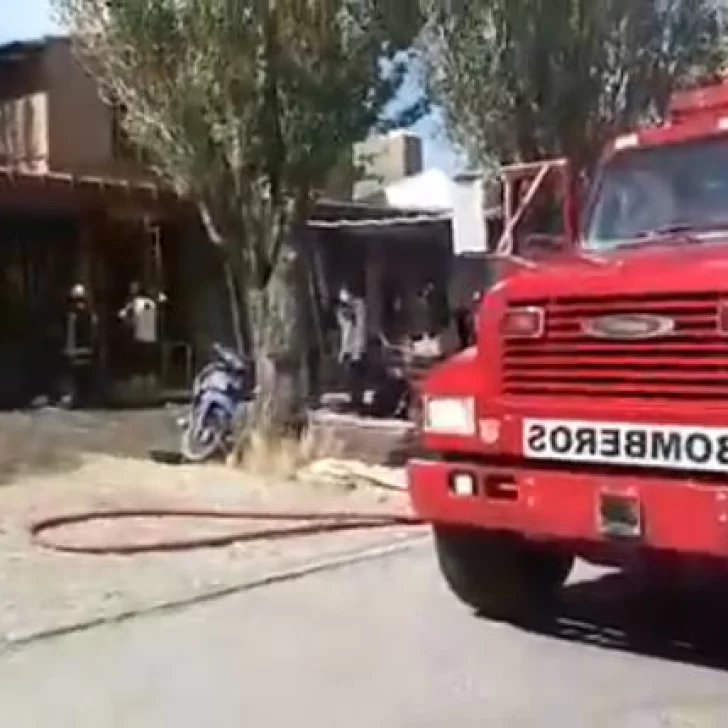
141,313
351,314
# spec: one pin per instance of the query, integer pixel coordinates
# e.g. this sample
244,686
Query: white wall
429,190
469,231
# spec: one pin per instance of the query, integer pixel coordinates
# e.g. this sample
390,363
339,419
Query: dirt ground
54,462
54,440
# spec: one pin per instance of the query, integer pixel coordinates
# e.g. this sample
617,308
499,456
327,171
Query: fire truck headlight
450,416
526,322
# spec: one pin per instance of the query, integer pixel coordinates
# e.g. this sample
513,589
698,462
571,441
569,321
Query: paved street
378,644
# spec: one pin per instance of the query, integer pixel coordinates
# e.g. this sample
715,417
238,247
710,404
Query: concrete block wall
384,159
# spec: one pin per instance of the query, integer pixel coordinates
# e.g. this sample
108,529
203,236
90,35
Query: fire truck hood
684,266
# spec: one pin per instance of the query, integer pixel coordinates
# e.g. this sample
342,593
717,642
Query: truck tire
501,576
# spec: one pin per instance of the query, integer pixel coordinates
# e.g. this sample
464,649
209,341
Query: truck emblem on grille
629,327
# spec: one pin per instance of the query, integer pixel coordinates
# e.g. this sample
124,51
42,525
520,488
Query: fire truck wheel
501,576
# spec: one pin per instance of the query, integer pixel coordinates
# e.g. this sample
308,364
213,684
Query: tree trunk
237,286
237,309
278,324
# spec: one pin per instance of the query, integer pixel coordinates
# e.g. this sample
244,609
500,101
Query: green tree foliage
246,106
519,80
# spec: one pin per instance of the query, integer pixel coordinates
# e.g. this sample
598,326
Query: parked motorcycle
219,394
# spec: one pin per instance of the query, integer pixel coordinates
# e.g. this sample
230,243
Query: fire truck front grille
689,363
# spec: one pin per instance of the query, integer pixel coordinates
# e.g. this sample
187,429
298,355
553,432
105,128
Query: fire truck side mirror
540,203
573,194
538,246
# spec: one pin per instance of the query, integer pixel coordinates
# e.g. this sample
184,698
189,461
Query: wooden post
374,275
92,238
153,231
83,268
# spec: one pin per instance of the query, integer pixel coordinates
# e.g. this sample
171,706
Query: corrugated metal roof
13,175
17,50
327,214
334,213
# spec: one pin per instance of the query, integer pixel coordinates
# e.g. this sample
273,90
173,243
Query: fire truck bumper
658,513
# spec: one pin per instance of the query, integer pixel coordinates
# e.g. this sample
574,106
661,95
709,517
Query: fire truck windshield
654,192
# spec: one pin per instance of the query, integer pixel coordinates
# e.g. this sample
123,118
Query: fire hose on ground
286,524
306,523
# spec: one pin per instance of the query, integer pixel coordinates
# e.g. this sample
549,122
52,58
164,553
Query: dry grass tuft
282,458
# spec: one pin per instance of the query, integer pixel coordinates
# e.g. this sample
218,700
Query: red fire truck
591,419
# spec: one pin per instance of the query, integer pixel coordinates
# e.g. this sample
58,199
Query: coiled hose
304,523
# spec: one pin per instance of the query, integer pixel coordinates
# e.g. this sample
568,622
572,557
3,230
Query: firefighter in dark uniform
80,348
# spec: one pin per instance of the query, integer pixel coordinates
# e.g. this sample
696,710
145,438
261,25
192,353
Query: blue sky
32,18
25,19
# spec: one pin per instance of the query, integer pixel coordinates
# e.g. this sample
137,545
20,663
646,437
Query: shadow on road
24,452
688,626
50,440
56,441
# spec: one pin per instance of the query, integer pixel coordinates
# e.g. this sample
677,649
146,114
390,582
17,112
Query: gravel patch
55,463
45,590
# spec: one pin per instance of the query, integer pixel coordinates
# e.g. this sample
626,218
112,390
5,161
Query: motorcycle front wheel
199,444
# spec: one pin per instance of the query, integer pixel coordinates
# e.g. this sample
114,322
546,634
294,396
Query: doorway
134,252
36,268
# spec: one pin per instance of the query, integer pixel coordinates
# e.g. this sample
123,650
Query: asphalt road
380,644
